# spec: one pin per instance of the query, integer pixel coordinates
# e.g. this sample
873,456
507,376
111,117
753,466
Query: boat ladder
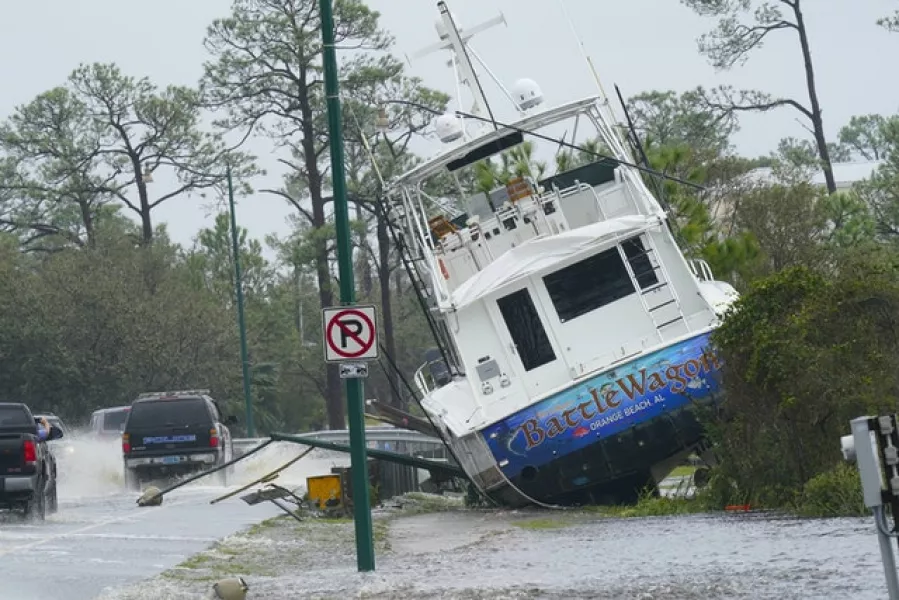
663,281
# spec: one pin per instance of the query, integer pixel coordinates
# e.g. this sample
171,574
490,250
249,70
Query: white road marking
83,530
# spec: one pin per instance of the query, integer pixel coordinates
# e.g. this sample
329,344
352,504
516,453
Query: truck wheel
36,508
53,501
223,476
132,481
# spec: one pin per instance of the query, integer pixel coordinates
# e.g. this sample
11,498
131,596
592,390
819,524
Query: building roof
845,174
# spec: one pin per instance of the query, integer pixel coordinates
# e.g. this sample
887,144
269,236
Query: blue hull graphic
605,405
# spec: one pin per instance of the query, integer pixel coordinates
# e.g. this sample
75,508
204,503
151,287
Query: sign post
345,327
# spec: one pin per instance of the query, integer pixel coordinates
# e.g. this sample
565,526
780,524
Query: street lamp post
365,553
241,322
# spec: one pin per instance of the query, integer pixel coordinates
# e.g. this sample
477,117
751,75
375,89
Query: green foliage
744,26
651,505
82,330
515,162
803,155
866,136
833,493
698,233
881,191
669,119
806,351
96,141
264,78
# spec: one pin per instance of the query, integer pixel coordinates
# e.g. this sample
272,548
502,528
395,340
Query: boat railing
422,380
701,269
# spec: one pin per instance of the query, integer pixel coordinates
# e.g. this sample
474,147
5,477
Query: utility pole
365,552
241,322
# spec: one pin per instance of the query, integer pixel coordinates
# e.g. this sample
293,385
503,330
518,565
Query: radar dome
527,93
449,127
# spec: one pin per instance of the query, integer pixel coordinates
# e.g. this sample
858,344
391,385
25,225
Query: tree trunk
817,120
365,270
383,237
333,389
146,222
87,219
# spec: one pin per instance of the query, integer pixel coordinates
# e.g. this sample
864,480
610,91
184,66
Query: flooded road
468,555
101,544
100,539
89,546
691,557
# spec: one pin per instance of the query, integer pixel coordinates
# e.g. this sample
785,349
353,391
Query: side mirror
230,420
55,433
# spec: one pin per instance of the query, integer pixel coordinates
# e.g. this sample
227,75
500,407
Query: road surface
100,538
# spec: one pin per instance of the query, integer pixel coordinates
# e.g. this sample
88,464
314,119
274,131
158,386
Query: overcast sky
638,44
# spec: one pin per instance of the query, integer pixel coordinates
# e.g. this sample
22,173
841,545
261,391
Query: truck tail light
29,453
213,438
126,443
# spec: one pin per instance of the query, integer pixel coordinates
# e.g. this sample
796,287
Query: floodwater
100,539
101,544
469,555
695,557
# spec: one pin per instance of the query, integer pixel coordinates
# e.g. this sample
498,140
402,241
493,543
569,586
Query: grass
195,562
216,563
540,524
683,471
653,506
260,527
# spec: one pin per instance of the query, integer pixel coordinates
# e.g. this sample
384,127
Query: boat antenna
602,92
452,39
583,50
474,83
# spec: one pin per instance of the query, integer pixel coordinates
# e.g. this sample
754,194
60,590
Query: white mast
452,39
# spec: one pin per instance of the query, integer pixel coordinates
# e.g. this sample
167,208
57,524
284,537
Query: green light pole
365,551
241,322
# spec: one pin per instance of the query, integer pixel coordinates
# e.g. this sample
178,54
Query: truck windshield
169,413
14,416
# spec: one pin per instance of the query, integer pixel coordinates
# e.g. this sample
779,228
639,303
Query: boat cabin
541,283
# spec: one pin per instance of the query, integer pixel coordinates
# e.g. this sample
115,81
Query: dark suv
174,433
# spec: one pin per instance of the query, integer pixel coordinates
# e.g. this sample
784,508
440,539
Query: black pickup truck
27,466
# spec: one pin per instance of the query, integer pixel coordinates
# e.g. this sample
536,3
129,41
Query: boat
573,335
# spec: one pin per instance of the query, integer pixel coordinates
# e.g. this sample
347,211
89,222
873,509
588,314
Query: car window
114,420
13,416
167,413
55,421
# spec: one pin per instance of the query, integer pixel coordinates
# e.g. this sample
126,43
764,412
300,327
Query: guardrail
379,434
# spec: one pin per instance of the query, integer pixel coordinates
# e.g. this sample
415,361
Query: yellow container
324,490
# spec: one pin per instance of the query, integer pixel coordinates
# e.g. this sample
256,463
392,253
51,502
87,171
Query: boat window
526,328
640,263
589,284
